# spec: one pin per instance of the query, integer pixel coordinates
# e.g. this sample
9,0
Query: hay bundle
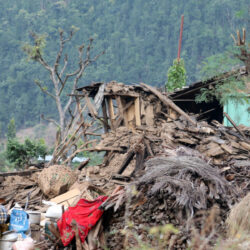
56,180
239,218
188,180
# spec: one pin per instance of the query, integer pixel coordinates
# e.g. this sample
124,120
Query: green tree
21,154
11,133
223,69
176,75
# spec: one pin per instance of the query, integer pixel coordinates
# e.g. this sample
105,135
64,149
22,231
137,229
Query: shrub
22,154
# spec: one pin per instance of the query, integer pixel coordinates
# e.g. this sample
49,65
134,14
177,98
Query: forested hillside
140,38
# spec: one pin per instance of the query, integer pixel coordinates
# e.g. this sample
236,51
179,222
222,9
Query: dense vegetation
140,39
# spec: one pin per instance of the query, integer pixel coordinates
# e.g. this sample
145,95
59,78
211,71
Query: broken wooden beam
20,173
235,126
168,102
126,161
91,107
83,164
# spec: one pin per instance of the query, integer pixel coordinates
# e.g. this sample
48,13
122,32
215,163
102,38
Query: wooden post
235,126
137,112
121,111
105,116
111,113
181,30
91,107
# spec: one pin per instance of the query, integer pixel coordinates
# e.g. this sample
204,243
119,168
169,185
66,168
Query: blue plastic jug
19,221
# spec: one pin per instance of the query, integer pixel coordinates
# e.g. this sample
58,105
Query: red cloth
85,213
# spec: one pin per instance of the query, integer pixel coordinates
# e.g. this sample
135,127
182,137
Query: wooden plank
149,149
111,113
97,148
105,116
90,106
149,115
129,94
67,198
187,141
126,161
214,150
137,112
245,146
20,173
227,148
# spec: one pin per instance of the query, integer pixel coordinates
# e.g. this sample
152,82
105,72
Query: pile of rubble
187,169
19,188
220,146
161,167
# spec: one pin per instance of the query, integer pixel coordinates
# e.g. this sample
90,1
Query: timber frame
116,104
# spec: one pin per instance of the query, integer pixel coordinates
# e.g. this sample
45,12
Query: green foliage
5,165
22,154
35,51
11,133
220,63
223,91
227,86
176,75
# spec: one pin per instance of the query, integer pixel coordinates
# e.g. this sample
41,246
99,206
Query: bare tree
241,42
57,72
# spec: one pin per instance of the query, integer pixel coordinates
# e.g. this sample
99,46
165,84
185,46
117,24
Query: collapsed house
123,105
168,167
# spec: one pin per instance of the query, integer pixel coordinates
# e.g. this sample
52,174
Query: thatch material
239,218
192,182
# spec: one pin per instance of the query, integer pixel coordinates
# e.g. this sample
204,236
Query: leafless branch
62,83
76,118
50,120
59,54
71,114
78,75
78,151
43,63
44,90
64,66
